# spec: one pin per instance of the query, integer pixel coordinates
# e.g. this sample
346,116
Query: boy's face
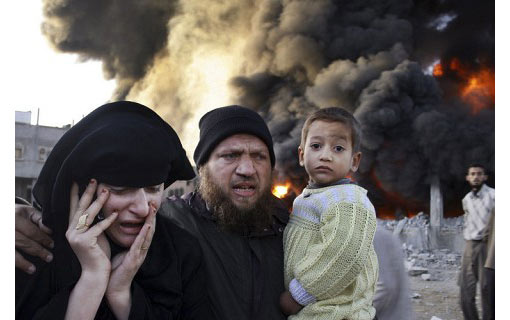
327,155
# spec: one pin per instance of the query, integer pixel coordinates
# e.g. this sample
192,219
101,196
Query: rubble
416,271
426,276
421,258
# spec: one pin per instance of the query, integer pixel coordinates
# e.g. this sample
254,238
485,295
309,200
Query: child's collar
339,182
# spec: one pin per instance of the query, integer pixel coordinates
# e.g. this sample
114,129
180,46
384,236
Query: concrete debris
421,220
416,295
416,271
435,318
420,255
426,276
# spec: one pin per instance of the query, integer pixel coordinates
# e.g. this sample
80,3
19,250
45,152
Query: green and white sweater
331,267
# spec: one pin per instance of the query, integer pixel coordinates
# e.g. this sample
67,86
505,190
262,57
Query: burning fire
478,86
438,70
280,190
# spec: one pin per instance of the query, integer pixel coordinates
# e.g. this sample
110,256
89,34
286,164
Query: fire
477,85
480,90
438,70
281,190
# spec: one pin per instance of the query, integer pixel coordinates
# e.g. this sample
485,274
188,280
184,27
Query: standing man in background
478,207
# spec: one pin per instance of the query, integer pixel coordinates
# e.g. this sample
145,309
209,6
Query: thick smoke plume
287,58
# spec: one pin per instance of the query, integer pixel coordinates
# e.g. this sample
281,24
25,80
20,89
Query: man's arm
32,237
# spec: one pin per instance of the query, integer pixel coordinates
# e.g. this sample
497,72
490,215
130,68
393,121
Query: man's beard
230,217
476,188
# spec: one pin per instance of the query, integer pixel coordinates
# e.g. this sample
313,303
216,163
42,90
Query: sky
57,84
35,77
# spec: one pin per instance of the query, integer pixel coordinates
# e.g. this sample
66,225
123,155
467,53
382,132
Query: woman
113,258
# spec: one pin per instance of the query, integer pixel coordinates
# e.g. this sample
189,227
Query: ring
145,248
82,222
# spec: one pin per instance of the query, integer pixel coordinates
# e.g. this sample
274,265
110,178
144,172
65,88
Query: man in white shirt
478,206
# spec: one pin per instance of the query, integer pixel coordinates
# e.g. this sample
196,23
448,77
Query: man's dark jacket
245,273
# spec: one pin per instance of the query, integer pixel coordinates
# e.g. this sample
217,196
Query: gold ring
82,222
145,248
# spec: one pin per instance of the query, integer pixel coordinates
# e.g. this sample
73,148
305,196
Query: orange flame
438,70
478,86
280,190
480,90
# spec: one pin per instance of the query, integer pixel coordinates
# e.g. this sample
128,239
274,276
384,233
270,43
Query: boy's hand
288,305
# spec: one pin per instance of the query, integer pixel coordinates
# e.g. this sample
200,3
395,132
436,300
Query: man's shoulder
179,211
172,205
489,190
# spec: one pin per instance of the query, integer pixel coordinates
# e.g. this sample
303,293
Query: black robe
169,284
244,273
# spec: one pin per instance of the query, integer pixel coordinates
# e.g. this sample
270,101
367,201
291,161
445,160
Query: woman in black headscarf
99,191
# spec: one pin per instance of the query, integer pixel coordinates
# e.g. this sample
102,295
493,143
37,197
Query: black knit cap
221,123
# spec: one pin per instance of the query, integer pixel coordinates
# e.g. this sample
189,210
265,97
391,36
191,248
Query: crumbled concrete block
416,295
426,276
416,271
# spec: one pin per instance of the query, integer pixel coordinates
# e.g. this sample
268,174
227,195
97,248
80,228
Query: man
237,221
478,206
489,286
392,299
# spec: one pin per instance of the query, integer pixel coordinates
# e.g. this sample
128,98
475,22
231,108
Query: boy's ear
356,159
301,155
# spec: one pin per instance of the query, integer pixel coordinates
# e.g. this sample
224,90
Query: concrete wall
429,238
33,145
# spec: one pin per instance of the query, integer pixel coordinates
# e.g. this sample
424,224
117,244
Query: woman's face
132,206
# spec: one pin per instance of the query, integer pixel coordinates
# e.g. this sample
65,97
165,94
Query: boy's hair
334,114
476,165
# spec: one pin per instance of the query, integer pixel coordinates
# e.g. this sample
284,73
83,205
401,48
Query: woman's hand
89,243
125,265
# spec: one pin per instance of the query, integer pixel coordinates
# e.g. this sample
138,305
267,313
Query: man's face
240,166
476,177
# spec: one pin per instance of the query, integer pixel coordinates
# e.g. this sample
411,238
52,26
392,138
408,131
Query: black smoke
291,57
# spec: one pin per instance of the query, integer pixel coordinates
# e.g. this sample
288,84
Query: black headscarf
121,143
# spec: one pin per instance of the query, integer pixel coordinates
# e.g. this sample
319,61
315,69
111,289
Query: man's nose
245,167
139,204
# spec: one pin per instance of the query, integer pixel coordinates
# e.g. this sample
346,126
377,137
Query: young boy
331,267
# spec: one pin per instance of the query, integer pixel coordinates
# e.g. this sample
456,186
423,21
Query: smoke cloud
285,59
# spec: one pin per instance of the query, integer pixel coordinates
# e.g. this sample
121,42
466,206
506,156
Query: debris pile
422,258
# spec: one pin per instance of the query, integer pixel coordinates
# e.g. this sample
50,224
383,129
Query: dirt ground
439,297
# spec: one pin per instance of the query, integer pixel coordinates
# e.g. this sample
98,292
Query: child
331,267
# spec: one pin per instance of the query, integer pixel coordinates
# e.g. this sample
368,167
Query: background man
478,207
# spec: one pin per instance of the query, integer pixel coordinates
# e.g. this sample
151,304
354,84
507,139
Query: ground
438,297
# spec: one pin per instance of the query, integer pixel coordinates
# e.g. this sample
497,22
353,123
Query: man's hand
288,305
32,237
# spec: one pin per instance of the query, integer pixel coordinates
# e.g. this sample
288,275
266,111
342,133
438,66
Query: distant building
33,145
179,188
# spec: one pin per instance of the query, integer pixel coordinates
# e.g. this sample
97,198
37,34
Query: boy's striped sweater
330,263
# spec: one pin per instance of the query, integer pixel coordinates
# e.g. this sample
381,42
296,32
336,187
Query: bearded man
236,219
